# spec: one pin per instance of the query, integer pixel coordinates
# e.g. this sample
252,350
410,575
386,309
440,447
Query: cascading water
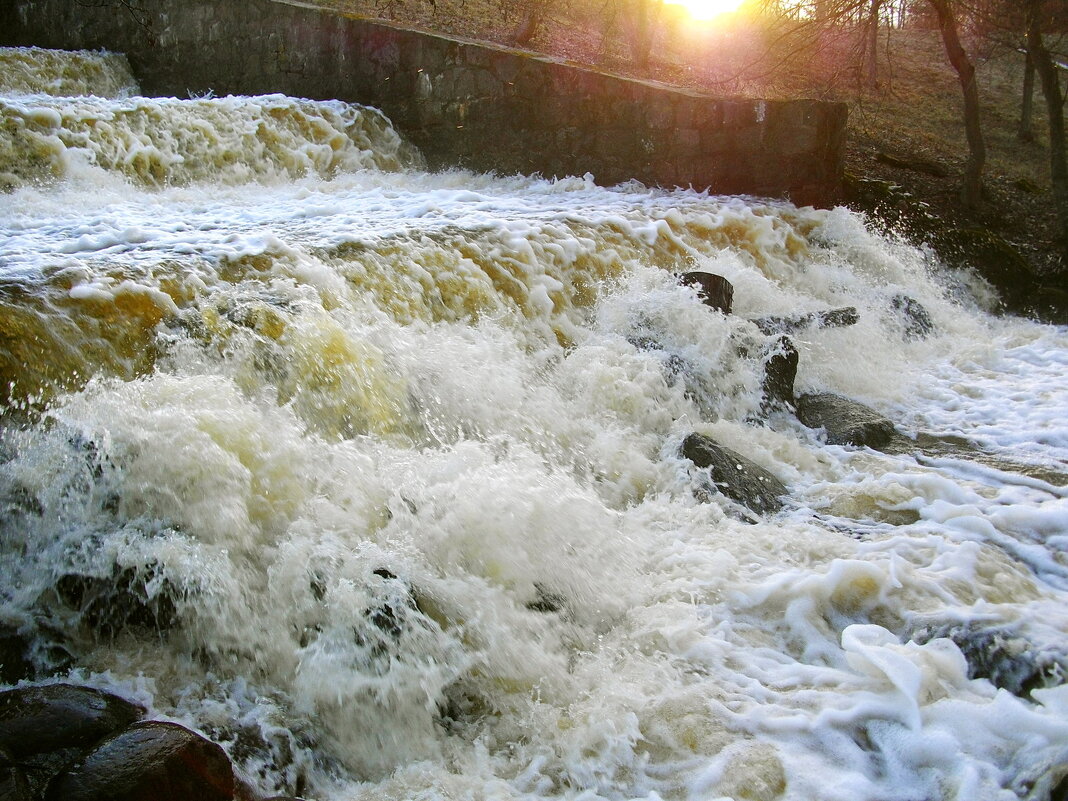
373,475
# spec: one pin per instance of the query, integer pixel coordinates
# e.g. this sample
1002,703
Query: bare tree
531,22
1026,131
1051,91
871,64
972,188
637,21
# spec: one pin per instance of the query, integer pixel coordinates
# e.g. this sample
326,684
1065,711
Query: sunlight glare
708,9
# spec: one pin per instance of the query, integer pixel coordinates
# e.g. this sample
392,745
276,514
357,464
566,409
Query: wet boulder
150,761
15,664
128,598
735,476
715,291
51,717
846,421
914,317
780,370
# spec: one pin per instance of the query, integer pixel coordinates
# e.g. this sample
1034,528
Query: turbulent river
373,475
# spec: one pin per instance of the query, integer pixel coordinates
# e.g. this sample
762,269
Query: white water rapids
392,459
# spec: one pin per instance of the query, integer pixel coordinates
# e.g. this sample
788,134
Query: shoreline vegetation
906,146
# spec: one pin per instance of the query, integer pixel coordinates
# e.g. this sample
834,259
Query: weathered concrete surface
462,103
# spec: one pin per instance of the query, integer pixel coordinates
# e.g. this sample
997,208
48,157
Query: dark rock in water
267,754
546,601
714,290
918,323
22,500
54,716
832,318
995,259
14,664
13,784
1049,303
925,445
847,422
150,761
780,370
119,602
735,476
1000,655
389,615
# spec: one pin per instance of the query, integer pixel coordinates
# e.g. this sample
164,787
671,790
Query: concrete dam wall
462,103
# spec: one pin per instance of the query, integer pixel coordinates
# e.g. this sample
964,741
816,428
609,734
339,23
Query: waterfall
374,475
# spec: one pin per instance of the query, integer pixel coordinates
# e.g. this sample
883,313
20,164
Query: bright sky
707,9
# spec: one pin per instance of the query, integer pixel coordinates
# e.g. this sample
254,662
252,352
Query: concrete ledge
462,103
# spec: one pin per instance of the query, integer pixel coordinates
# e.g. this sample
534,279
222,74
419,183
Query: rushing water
373,474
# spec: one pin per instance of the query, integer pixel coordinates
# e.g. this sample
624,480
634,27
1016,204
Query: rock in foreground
54,716
151,761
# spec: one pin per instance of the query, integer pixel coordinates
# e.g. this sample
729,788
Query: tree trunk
528,28
972,191
1026,132
643,22
871,77
1051,90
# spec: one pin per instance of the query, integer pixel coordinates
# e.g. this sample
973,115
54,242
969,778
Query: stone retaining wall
462,103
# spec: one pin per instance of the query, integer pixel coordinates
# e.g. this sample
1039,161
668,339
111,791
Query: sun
708,9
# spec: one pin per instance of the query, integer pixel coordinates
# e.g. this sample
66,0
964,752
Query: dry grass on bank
914,115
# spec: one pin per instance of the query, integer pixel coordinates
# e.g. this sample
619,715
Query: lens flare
708,9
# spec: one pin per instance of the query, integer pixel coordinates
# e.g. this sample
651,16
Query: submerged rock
151,761
1002,656
266,754
832,318
846,421
109,605
714,290
56,716
546,600
390,614
735,476
916,319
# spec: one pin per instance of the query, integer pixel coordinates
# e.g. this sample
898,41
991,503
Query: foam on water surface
64,73
373,475
159,141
